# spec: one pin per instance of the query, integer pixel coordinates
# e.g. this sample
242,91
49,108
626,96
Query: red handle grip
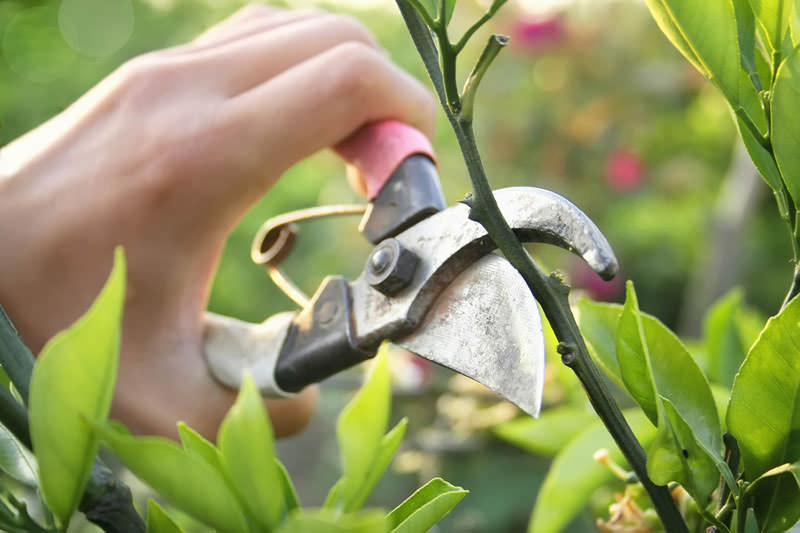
377,149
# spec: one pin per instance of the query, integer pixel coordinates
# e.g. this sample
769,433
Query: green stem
490,51
423,13
711,519
741,509
726,500
759,137
448,69
552,295
497,4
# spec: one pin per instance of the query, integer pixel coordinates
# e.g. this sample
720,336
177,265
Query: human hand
164,157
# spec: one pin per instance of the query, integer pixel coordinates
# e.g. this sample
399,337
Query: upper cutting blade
486,325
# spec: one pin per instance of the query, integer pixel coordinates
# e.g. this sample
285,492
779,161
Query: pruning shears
430,284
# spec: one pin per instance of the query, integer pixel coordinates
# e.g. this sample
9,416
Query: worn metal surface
448,242
486,325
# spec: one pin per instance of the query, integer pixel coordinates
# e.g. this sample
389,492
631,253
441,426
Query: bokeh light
96,28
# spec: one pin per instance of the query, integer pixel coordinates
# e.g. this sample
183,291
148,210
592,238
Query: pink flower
539,32
583,277
624,170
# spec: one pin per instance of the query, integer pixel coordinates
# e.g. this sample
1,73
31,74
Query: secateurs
430,283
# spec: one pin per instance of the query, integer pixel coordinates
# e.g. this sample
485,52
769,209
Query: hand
164,157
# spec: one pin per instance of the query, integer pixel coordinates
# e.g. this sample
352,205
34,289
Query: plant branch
759,137
106,501
490,51
497,4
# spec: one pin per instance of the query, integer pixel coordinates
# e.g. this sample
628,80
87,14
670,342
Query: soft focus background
588,100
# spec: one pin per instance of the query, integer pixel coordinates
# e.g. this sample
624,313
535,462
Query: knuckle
351,28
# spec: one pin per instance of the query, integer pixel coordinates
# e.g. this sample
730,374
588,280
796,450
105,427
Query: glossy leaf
713,51
548,434
726,343
389,444
785,126
360,429
195,443
289,493
247,447
746,30
574,475
158,521
15,459
429,504
327,521
170,470
72,382
773,17
764,414
633,355
767,168
598,322
646,345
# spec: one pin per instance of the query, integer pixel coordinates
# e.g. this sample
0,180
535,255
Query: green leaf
574,475
675,377
764,162
423,509
360,430
773,17
15,459
713,50
327,521
196,444
598,323
72,382
634,357
683,457
289,494
158,521
389,444
726,345
247,446
746,26
785,126
449,7
183,478
548,434
764,415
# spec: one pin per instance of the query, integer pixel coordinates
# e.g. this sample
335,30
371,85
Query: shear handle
398,167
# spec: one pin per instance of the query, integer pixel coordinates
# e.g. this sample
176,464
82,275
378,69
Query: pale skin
164,157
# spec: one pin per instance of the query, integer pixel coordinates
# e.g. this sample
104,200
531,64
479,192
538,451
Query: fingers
246,60
254,21
320,102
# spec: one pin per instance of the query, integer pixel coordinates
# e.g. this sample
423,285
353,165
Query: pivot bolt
390,267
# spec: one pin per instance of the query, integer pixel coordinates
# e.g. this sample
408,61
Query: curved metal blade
486,325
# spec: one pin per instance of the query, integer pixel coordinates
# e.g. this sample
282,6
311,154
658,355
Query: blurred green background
588,100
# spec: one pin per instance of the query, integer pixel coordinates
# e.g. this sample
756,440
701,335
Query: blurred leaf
764,415
634,357
72,383
389,444
327,521
598,323
785,126
711,48
658,357
575,475
774,17
247,447
289,493
726,345
423,509
15,459
360,430
183,478
158,521
548,434
196,444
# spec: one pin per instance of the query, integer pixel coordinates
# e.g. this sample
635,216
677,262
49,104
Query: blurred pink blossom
583,277
537,33
624,170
